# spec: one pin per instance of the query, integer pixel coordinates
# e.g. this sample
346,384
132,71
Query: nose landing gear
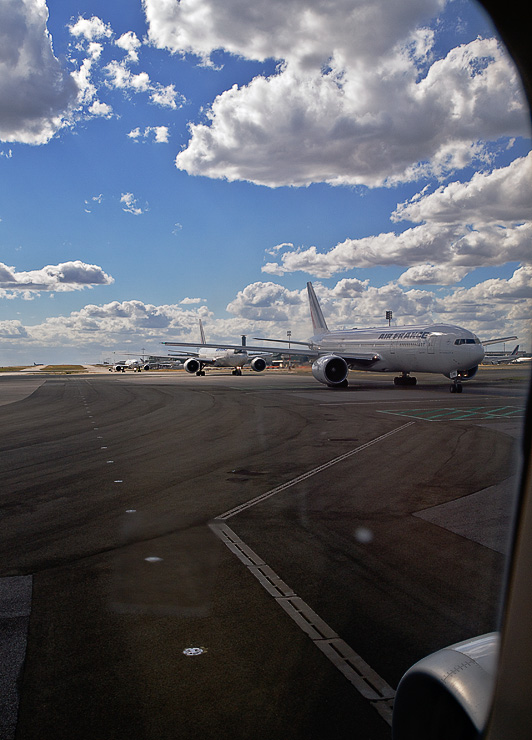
456,385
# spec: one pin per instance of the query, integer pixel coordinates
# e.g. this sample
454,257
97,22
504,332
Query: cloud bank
358,99
269,309
482,222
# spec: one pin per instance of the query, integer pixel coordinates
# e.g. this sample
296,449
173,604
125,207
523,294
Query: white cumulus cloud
90,28
66,276
12,329
130,204
359,97
503,195
360,125
130,43
159,134
37,95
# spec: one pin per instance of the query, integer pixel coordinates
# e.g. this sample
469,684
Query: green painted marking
475,413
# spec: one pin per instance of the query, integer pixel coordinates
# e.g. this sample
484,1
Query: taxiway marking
363,678
309,474
473,413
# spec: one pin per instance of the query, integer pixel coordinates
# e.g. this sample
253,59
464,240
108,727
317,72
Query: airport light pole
389,315
289,334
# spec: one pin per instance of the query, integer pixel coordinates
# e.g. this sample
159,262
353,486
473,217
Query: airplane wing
248,348
496,341
184,355
290,341
361,360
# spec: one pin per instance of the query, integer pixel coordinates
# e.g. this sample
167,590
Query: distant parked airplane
501,359
212,355
123,365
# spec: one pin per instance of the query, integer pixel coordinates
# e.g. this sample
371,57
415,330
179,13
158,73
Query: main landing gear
404,379
236,371
200,372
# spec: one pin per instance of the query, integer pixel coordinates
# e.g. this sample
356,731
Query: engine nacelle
258,364
465,374
447,694
192,365
330,369
120,368
147,366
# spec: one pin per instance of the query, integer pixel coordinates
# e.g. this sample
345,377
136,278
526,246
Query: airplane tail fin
202,333
318,322
516,349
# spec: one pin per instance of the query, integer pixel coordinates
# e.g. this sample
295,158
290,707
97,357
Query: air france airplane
212,355
503,359
426,348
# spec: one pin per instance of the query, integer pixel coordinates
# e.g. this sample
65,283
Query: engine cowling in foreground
330,369
448,693
192,365
258,364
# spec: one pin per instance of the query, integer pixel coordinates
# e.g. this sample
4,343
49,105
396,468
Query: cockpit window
466,341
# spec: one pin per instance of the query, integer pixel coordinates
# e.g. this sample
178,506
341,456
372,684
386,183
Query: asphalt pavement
243,557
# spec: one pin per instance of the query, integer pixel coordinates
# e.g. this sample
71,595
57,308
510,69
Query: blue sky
165,161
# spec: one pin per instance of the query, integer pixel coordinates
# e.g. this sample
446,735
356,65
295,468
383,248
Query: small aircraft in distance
153,363
212,355
427,348
502,359
135,365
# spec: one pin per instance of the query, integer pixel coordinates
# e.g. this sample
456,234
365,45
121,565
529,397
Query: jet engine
330,369
147,366
448,693
192,365
258,364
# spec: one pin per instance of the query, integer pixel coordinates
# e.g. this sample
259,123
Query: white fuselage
223,357
438,348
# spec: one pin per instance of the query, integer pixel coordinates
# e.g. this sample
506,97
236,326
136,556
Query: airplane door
446,343
431,345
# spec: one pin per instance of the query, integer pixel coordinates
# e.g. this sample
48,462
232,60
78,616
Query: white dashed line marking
364,679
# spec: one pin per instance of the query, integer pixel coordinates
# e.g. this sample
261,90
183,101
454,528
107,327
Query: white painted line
309,474
364,679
